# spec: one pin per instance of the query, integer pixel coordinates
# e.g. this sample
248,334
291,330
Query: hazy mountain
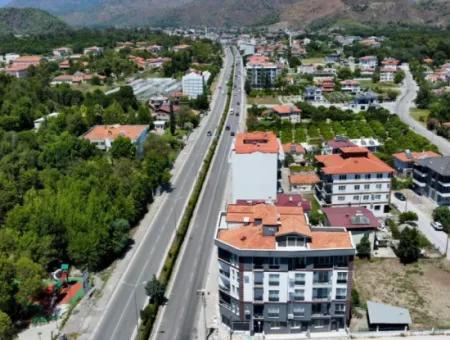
296,13
29,21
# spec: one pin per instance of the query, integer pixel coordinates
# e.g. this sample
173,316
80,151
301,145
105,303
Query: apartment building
255,159
368,63
261,72
194,83
431,178
354,177
279,275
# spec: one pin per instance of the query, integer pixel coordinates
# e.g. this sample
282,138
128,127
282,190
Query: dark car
227,127
232,133
209,133
400,196
238,103
237,113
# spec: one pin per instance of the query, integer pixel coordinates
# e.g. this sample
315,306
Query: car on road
400,196
237,113
437,226
238,103
227,128
232,134
209,133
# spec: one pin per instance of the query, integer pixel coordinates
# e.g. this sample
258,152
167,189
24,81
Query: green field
263,100
420,115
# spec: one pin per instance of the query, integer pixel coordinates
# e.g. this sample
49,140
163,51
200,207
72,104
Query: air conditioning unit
290,316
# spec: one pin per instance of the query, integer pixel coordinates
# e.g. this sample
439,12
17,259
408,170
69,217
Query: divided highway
119,319
178,317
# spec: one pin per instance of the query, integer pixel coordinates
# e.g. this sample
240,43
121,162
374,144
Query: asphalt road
178,320
120,318
404,104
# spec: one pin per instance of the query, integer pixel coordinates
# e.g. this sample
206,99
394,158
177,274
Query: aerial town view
214,170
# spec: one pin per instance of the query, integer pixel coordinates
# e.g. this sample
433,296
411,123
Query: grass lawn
421,287
316,60
265,100
420,115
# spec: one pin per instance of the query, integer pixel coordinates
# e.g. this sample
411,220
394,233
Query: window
379,175
357,187
378,186
341,187
342,176
298,311
299,295
274,279
321,277
296,324
275,325
366,186
357,176
341,293
377,197
341,198
273,312
341,277
274,295
320,293
246,279
368,176
366,197
339,308
377,207
319,323
300,279
274,262
356,197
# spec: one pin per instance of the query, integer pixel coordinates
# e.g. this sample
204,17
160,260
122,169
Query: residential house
326,84
431,178
350,85
306,69
181,47
387,73
159,126
288,112
38,122
297,151
102,136
62,52
261,72
156,63
368,63
154,49
18,71
75,79
64,65
371,144
93,51
10,57
354,177
404,161
279,275
162,112
314,94
260,152
19,67
358,221
333,58
364,100
303,182
334,145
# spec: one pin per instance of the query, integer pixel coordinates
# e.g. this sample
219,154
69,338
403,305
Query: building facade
193,84
431,178
354,177
261,72
255,158
278,275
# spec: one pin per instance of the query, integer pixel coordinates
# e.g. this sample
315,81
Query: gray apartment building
431,178
279,275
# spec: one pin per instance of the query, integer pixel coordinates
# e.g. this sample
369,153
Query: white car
437,225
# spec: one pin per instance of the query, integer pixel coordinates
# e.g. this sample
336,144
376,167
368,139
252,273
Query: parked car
400,196
437,225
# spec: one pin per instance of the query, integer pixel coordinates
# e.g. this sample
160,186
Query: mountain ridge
291,13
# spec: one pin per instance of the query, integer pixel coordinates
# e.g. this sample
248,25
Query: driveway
423,207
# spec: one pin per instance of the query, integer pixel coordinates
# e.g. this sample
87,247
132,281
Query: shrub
407,216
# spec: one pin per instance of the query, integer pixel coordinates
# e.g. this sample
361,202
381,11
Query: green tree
409,246
442,215
155,290
364,248
6,327
122,147
407,216
288,159
399,76
344,73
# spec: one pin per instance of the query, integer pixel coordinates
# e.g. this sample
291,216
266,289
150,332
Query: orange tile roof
285,109
290,220
298,148
337,164
401,156
249,142
99,132
28,59
307,178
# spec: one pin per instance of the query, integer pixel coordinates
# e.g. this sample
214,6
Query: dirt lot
422,287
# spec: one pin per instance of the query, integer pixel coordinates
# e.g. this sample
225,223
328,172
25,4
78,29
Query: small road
177,320
423,207
119,319
403,106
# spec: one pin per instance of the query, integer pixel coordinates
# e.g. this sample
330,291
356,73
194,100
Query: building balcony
418,183
419,173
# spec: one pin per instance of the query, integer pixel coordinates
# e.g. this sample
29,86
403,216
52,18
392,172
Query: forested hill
29,21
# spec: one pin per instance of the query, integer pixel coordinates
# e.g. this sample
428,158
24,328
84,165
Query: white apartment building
368,63
261,72
193,83
279,275
254,166
354,177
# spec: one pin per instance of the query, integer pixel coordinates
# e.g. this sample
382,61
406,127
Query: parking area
423,207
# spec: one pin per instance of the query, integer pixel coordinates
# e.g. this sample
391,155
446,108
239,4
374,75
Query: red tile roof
304,178
345,217
352,162
403,157
100,132
249,142
286,109
293,148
